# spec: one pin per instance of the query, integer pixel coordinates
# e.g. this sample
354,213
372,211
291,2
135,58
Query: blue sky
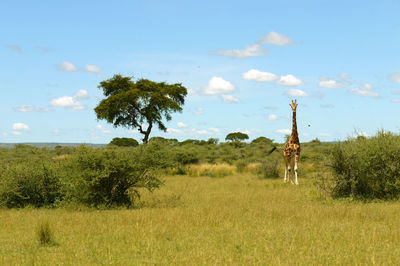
242,62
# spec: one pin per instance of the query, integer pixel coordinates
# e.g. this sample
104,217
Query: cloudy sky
242,62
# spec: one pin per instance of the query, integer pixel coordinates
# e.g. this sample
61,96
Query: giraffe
292,149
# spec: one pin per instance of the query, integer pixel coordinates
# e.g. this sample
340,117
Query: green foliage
236,136
32,182
112,177
133,104
124,142
262,140
184,157
367,168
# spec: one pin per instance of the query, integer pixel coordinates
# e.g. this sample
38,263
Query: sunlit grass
237,219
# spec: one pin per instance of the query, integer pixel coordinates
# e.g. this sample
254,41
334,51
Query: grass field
237,219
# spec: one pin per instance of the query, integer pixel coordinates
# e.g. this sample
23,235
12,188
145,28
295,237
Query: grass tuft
45,233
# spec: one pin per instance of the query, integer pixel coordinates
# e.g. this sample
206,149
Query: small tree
236,136
137,104
124,142
262,140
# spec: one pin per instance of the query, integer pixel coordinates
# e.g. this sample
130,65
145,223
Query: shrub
108,177
33,182
269,168
186,157
367,167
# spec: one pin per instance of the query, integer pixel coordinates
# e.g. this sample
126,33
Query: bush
186,157
367,168
269,168
112,177
33,182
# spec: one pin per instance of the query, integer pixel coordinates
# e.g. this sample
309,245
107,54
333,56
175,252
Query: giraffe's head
293,105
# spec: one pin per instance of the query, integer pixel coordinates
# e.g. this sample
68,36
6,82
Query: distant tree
164,140
316,140
124,142
141,104
262,140
212,141
236,136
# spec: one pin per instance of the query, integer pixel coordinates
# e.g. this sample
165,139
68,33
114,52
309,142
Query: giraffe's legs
287,169
296,161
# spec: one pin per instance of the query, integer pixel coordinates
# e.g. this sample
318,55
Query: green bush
367,168
269,167
184,157
112,177
33,182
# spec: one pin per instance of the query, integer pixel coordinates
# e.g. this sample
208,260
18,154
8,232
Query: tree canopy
139,105
236,136
124,142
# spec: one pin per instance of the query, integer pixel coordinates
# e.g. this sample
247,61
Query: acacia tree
236,136
137,104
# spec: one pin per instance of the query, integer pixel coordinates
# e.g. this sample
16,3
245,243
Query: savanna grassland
229,211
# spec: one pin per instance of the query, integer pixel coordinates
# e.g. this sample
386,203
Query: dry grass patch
211,170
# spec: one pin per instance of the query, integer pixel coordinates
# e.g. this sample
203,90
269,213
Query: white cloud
396,92
296,93
215,130
284,131
229,98
199,111
20,126
396,101
344,76
202,132
67,102
306,134
272,117
30,108
254,74
248,51
71,102
367,86
218,85
16,48
395,77
174,131
67,67
365,90
102,129
81,94
181,125
16,133
329,83
289,80
248,131
92,68
276,39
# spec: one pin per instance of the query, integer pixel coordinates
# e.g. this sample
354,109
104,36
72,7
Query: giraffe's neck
294,128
